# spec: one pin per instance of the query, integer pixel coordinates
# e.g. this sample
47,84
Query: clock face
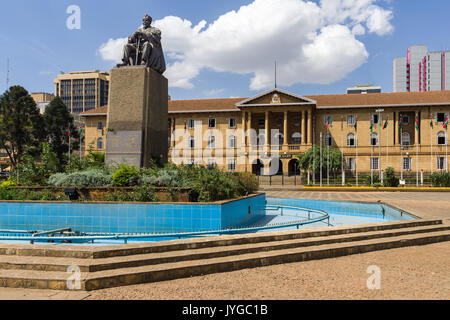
276,98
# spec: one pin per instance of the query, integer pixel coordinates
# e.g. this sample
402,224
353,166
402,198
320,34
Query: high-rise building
421,70
83,90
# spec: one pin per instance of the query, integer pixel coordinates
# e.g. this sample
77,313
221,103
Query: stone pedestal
137,116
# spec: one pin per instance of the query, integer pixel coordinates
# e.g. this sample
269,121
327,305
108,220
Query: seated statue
144,48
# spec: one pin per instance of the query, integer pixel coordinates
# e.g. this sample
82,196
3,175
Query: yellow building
83,91
279,125
95,129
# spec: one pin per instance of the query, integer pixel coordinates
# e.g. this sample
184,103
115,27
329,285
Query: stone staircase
46,266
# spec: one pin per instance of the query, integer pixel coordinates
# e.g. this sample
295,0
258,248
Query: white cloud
358,30
312,43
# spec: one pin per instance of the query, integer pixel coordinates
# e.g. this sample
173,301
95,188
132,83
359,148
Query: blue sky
217,62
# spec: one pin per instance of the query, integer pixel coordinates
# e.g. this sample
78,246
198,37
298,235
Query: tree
310,160
20,124
58,122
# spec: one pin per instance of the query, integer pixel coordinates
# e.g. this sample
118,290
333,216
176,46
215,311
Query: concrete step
181,269
170,271
84,252
93,265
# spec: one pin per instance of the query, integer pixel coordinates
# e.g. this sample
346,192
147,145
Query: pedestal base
137,117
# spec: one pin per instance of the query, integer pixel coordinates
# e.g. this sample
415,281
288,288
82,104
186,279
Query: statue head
147,21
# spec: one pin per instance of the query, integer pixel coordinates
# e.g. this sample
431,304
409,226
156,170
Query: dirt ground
421,272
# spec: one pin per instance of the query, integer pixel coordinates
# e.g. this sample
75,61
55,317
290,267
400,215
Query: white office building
421,70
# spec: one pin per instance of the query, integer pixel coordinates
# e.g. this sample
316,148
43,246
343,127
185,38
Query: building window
405,119
191,123
350,140
279,122
373,163
211,123
262,123
441,117
231,165
351,119
296,138
351,164
441,163
100,144
374,139
232,123
407,163
406,139
328,119
211,142
441,138
191,142
375,118
232,142
279,139
328,140
100,125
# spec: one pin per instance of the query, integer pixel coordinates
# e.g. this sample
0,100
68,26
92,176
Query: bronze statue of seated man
144,48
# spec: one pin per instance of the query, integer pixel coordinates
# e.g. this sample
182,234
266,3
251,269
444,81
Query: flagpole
379,146
342,153
401,147
387,144
356,140
321,158
356,161
431,143
328,161
417,154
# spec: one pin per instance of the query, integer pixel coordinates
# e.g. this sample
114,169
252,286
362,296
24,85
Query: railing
313,216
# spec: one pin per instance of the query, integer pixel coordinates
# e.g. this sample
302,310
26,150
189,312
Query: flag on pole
386,123
356,125
431,122
80,130
417,124
328,125
371,126
445,126
69,132
185,127
400,123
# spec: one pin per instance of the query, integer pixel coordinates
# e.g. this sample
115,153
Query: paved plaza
419,272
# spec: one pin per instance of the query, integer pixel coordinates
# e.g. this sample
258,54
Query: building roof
102,111
382,99
372,100
204,105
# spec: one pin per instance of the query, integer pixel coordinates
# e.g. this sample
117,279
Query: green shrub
126,176
163,178
440,179
144,194
390,180
139,194
9,183
21,195
248,183
88,178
